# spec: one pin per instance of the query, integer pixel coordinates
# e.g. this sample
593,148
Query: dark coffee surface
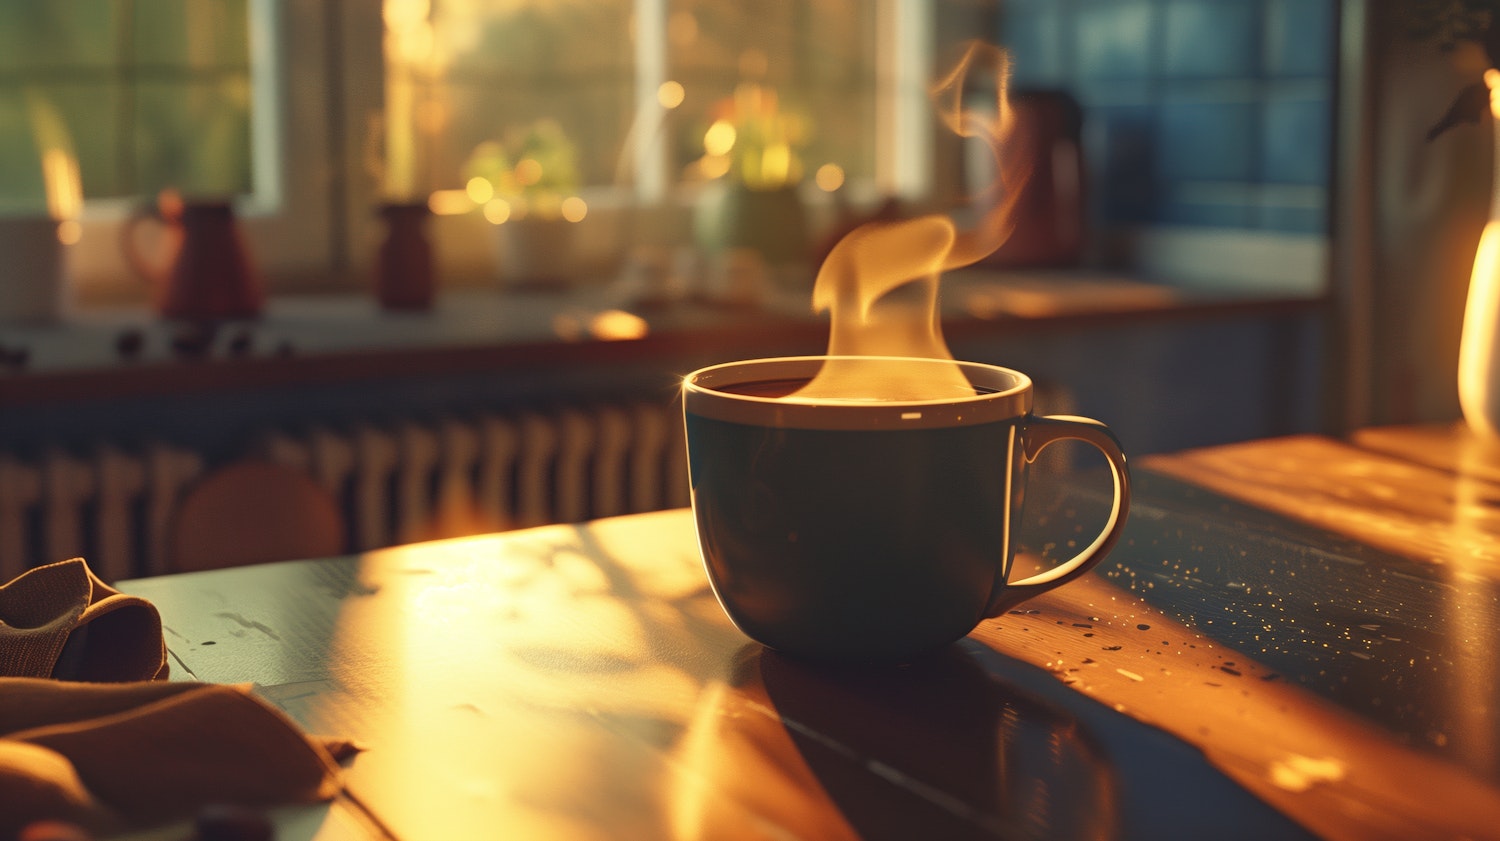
787,386
873,544
766,388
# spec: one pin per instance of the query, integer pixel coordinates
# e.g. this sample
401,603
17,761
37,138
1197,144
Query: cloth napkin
89,733
61,621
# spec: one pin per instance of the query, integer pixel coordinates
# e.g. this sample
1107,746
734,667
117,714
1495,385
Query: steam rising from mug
876,258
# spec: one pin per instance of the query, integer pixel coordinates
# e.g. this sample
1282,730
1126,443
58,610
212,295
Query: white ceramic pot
31,269
534,251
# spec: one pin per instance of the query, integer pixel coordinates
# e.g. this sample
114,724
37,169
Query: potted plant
751,150
526,186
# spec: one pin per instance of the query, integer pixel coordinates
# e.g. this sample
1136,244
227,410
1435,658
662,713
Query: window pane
468,80
88,113
805,75
193,136
198,34
40,37
92,113
158,98
191,97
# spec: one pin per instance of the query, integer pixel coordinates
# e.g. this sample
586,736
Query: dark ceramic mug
871,530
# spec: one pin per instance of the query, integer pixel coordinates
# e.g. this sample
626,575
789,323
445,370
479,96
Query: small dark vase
403,270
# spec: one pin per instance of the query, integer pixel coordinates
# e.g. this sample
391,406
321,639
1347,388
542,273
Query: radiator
397,482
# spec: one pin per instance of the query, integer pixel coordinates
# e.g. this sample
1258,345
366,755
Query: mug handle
1044,430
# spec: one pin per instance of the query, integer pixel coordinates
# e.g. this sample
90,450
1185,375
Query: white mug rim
704,395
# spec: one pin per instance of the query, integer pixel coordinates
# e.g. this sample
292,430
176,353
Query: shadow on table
966,744
955,753
937,749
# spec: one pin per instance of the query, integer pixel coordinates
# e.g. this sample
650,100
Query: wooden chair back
250,512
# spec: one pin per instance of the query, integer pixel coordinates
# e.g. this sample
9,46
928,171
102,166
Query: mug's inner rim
719,379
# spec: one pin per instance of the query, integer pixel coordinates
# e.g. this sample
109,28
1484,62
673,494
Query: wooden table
1296,638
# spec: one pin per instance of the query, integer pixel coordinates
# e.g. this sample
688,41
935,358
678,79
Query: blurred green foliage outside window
152,94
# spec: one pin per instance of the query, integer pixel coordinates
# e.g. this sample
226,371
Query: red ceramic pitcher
206,273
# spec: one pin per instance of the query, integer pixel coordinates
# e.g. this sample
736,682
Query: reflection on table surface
1294,639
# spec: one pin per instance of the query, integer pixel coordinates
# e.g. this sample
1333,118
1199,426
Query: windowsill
312,339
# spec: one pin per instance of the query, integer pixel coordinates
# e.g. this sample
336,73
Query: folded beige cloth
61,621
115,756
89,734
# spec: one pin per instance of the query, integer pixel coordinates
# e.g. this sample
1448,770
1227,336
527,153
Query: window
794,73
634,105
462,77
145,94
